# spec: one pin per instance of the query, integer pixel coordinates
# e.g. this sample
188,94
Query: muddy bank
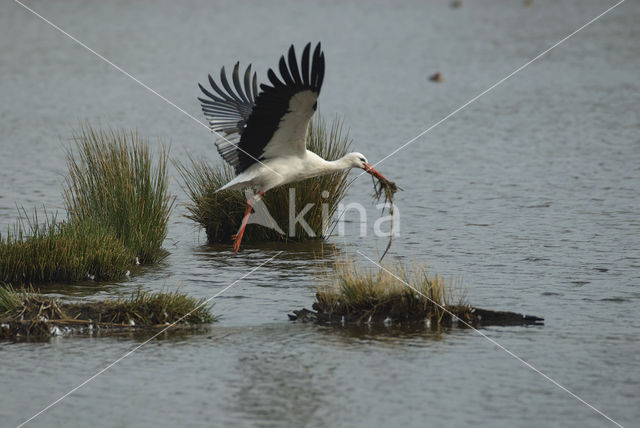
462,316
33,315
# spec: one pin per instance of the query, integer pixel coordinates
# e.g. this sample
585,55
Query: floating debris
436,77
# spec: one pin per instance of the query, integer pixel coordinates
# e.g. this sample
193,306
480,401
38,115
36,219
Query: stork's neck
339,164
315,166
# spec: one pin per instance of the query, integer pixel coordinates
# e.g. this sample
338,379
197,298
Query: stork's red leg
237,238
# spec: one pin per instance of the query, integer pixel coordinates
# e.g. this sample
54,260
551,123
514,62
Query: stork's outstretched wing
277,122
228,111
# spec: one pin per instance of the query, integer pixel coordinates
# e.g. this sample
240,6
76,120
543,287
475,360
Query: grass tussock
61,251
220,214
113,181
352,294
118,210
25,313
399,295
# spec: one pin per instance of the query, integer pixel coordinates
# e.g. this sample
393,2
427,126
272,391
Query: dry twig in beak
386,188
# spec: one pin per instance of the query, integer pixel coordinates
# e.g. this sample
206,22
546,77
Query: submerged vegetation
397,295
220,214
118,209
26,313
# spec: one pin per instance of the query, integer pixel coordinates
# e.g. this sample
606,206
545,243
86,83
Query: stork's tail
240,182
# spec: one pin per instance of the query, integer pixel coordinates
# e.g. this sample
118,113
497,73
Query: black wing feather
255,86
225,83
236,83
295,72
247,83
216,88
315,64
305,64
254,117
227,112
284,72
273,79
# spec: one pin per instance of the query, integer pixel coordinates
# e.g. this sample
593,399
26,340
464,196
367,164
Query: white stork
265,133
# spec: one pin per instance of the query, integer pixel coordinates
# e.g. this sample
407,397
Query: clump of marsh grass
113,181
10,299
220,214
353,294
26,313
61,251
150,308
118,209
396,294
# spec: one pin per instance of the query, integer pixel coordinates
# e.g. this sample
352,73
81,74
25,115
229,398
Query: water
529,196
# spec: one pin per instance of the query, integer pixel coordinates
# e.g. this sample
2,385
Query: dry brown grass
354,294
24,312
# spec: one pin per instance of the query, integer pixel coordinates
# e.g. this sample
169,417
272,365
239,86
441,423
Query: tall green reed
113,181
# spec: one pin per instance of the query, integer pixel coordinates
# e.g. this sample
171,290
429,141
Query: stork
264,133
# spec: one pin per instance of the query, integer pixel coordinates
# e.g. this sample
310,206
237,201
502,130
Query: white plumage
265,133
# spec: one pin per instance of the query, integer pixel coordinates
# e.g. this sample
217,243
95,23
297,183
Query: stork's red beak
371,170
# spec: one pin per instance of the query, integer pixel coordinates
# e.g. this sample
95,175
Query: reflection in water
308,251
276,389
296,264
139,276
394,334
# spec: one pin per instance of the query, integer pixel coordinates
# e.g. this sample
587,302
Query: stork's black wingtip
273,78
203,89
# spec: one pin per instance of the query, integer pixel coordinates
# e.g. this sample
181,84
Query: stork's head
359,161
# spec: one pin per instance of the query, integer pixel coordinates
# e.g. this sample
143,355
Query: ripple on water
529,196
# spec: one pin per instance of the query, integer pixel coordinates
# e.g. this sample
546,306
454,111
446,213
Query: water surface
529,196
